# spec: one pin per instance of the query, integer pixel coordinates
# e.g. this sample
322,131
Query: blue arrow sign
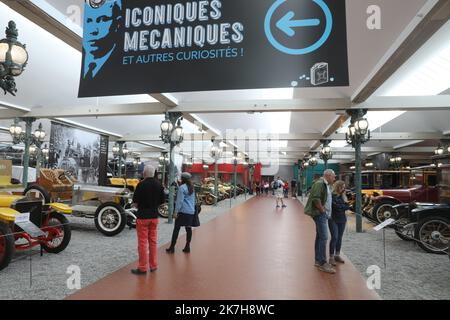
286,24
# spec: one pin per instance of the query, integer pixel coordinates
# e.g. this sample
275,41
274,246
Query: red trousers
147,233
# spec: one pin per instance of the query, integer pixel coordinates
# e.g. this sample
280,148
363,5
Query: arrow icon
286,24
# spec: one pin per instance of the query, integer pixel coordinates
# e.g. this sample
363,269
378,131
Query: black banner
102,170
151,46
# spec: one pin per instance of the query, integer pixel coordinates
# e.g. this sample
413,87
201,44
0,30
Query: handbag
195,220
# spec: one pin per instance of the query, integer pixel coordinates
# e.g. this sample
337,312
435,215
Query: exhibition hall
224,150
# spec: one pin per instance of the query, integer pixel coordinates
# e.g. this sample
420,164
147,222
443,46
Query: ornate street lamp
216,153
115,150
396,161
13,59
31,141
369,164
172,134
39,133
326,153
235,161
439,150
312,162
120,151
357,134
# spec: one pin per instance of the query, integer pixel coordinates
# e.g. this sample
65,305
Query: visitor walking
278,186
337,222
148,196
266,187
319,206
185,207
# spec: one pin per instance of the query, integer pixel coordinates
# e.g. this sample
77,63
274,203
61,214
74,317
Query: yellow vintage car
26,223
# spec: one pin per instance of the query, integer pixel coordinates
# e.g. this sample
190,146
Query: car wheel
384,210
209,200
6,246
433,234
110,219
60,240
163,210
36,192
405,230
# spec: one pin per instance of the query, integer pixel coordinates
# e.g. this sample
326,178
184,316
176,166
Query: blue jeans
320,246
337,231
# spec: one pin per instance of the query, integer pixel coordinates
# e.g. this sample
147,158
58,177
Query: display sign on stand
23,221
152,46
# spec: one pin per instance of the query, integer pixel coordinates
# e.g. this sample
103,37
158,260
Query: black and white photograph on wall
76,151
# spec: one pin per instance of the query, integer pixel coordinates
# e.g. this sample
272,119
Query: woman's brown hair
189,184
337,186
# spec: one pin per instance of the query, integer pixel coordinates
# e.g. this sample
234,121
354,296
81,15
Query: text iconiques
173,26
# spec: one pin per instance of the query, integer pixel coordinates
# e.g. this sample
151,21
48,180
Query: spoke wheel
385,211
110,219
60,233
163,210
434,234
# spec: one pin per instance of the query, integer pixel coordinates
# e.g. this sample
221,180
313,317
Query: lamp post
251,169
396,161
45,152
326,154
121,151
28,139
215,153
358,133
163,161
172,134
235,157
13,59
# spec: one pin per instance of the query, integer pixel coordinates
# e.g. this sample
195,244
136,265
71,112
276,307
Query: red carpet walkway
254,252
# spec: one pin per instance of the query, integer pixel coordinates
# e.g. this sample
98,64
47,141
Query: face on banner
150,46
102,20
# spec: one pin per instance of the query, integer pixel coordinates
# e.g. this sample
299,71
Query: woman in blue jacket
338,221
185,207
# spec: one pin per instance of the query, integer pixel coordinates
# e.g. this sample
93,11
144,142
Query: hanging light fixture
177,133
13,59
45,150
32,149
39,133
439,151
15,130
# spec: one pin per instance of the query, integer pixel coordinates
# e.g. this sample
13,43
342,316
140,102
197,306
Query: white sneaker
333,261
328,268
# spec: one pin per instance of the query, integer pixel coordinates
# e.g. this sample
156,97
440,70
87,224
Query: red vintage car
422,188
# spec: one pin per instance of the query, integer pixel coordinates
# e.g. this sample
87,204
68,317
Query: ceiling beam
148,108
393,136
419,31
411,103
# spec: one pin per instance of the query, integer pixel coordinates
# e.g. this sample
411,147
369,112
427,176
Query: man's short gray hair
329,172
149,171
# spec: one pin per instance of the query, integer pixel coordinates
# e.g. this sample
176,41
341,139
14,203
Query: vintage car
53,229
379,198
427,223
110,207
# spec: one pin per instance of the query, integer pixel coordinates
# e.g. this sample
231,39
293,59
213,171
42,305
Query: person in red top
286,189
